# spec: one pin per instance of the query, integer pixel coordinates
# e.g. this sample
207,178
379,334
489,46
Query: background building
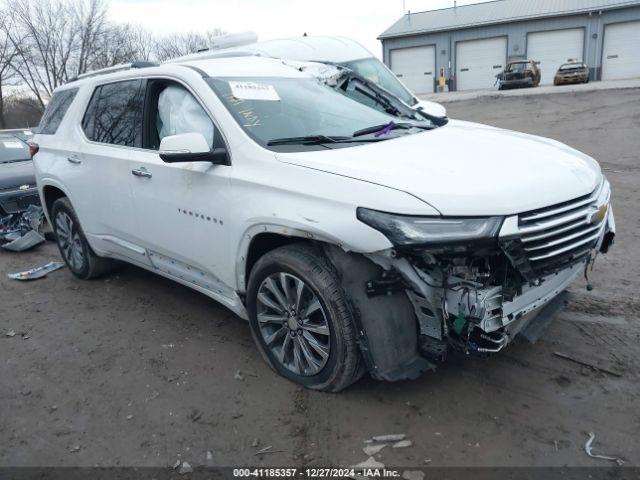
469,45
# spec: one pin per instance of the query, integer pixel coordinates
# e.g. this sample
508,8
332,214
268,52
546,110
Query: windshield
271,109
374,70
571,66
517,67
12,149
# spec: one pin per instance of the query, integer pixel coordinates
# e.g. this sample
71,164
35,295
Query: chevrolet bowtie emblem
23,187
599,215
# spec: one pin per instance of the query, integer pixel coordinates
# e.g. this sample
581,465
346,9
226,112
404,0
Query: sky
362,20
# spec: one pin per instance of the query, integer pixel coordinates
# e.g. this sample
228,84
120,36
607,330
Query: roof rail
116,68
209,54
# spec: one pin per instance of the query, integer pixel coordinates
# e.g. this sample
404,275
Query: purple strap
385,130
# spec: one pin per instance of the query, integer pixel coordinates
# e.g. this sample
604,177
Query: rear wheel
301,320
72,243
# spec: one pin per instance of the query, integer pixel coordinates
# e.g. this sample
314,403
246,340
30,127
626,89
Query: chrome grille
557,236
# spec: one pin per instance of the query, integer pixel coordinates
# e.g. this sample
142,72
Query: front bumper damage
517,82
476,298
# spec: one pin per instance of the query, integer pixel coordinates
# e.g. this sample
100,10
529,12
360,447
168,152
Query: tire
332,358
73,245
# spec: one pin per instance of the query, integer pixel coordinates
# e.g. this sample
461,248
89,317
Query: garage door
554,48
621,51
478,62
416,67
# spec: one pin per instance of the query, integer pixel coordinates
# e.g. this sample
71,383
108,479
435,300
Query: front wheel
301,320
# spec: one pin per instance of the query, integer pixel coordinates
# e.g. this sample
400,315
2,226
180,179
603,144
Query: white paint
479,61
416,68
453,166
554,48
621,51
193,142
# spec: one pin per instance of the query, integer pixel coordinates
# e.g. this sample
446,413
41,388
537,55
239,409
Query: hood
465,168
16,174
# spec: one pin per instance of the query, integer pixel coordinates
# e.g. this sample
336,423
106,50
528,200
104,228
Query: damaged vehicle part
518,74
36,272
22,231
339,52
572,72
477,283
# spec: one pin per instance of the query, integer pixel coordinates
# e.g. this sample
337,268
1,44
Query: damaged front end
477,283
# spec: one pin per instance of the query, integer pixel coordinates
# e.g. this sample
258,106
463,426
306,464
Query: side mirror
191,147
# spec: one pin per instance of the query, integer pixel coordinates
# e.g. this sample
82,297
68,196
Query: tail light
33,149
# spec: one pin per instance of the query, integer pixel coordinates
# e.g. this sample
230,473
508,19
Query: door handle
141,172
74,159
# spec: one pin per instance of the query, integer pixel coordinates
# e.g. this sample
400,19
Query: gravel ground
134,370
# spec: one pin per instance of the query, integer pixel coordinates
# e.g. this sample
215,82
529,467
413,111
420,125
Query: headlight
405,230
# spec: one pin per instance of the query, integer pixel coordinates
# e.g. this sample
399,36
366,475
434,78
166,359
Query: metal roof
497,11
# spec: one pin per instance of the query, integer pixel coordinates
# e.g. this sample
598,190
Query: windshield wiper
306,140
318,140
391,103
386,127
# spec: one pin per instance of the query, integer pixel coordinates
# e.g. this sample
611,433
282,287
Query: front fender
286,229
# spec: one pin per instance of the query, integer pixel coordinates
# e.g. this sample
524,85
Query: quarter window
114,114
58,106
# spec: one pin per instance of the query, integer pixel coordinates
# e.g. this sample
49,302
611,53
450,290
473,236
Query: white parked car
354,238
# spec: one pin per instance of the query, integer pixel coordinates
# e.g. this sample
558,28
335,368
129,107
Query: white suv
354,233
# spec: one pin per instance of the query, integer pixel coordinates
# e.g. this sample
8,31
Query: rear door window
114,114
54,113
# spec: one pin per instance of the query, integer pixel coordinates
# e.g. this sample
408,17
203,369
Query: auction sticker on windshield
254,91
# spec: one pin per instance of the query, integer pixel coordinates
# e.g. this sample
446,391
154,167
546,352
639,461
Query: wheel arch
261,239
51,193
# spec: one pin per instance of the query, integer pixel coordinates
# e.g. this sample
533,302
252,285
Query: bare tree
7,55
46,43
121,44
44,36
179,44
91,26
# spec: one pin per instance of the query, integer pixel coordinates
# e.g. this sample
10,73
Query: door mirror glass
190,147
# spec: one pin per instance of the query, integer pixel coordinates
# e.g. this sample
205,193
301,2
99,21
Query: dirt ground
134,370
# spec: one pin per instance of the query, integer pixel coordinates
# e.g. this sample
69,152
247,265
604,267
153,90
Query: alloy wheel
69,241
293,324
